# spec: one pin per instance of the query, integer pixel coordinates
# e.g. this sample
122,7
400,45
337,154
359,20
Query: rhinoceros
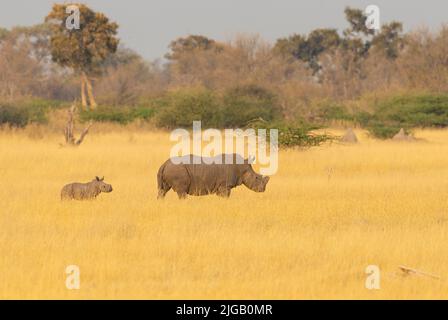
85,191
194,175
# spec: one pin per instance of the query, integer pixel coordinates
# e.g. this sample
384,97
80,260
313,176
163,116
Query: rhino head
252,180
101,185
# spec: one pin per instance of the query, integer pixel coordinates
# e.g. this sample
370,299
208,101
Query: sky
148,26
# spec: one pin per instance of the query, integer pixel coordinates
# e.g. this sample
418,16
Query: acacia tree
191,43
354,45
309,48
83,49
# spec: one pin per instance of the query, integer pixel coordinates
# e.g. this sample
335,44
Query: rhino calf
85,191
203,176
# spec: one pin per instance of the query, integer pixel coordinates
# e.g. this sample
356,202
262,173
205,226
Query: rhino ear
251,159
102,179
97,179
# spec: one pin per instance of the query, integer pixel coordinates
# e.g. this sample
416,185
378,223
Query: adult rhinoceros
194,175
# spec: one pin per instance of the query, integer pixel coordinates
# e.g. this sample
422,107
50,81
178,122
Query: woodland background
379,80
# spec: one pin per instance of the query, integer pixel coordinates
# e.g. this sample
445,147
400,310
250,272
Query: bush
382,131
414,111
243,104
301,137
331,111
233,109
122,115
20,113
294,135
16,117
411,111
181,108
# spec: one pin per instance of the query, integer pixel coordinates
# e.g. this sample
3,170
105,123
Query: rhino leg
163,190
174,177
182,194
161,194
162,185
225,193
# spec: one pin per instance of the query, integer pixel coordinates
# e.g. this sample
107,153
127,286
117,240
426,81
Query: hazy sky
148,26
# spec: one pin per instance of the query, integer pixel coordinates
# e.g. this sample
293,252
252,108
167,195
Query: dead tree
69,137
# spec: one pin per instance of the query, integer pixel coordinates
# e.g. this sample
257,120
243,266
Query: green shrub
16,117
382,131
415,110
20,113
121,115
301,137
409,111
294,135
181,108
233,109
243,104
379,128
143,113
38,109
331,111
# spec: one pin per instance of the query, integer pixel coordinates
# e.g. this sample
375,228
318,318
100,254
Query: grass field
326,215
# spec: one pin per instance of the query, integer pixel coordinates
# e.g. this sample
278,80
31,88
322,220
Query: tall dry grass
326,215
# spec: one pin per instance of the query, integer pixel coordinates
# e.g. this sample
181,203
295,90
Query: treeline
381,80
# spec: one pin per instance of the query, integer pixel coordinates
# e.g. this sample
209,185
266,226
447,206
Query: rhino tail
162,186
160,177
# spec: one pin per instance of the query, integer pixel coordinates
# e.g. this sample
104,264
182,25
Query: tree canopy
188,44
83,49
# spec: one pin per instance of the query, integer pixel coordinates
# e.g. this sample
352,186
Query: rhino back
209,177
200,176
83,191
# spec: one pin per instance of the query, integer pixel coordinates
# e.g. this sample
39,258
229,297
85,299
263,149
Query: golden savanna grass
327,214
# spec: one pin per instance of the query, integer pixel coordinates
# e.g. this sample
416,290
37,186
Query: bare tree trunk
69,136
92,101
83,93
